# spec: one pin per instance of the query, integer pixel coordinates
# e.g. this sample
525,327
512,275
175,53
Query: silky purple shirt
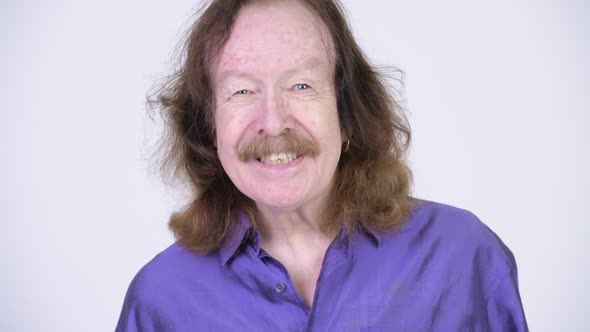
443,271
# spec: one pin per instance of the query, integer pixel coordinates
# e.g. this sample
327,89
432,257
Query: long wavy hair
372,185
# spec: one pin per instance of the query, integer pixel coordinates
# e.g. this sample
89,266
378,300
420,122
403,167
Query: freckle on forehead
249,41
237,55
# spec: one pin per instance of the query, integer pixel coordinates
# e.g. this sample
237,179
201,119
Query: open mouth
280,158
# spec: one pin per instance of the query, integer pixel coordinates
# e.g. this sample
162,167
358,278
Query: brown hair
372,180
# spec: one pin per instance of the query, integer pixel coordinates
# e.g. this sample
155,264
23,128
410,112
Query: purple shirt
443,271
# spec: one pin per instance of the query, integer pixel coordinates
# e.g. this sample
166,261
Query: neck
295,238
289,227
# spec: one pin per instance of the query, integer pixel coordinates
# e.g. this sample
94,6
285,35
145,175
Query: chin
284,201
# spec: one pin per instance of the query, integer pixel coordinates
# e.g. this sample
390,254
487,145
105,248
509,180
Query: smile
280,158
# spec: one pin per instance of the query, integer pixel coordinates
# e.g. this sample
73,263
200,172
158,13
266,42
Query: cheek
230,131
222,137
329,125
320,116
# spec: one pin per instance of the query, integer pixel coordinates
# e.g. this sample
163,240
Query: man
301,218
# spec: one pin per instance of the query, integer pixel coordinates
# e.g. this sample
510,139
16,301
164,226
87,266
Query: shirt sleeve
140,313
504,306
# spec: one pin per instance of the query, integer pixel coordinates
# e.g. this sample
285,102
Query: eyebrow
307,65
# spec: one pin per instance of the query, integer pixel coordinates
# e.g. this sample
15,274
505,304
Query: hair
372,181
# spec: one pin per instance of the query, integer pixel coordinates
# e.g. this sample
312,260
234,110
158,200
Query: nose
274,115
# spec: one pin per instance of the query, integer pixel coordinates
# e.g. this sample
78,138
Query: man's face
278,135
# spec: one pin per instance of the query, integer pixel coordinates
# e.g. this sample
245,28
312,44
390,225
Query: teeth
278,158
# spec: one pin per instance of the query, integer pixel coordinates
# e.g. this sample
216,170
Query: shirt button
280,287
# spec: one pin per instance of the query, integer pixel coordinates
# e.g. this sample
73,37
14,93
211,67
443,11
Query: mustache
288,141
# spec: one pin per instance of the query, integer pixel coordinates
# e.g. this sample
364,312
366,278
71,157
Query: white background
498,95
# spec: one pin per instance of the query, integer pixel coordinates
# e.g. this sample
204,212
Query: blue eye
301,86
242,92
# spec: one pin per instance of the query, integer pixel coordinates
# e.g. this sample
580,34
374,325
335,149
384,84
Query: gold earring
346,145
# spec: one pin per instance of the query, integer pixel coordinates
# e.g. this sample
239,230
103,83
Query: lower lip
280,167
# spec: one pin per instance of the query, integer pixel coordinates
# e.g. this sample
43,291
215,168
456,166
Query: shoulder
452,220
452,224
457,235
158,292
169,274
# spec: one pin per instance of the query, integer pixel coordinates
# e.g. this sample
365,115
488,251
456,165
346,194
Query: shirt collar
243,231
374,236
236,237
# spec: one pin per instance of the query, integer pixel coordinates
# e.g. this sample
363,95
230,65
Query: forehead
275,36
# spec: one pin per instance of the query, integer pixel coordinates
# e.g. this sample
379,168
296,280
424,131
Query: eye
301,86
242,92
